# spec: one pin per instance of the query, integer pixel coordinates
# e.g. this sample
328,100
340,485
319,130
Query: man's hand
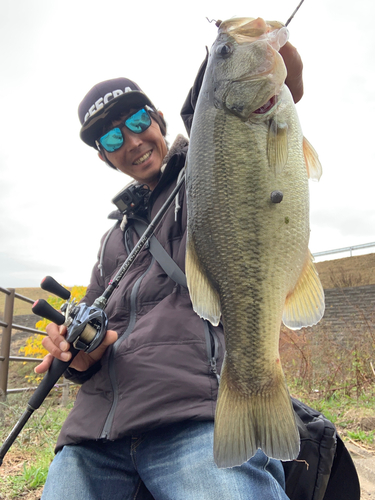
58,348
294,66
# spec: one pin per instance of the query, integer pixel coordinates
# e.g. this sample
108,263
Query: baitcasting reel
86,325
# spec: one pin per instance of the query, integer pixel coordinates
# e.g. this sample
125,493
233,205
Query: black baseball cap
104,101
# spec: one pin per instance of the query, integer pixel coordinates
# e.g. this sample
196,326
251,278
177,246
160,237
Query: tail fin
244,423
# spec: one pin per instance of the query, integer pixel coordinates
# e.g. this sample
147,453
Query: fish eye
224,50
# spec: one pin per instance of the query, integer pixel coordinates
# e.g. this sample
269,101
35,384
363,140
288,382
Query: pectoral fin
305,305
313,166
277,145
205,299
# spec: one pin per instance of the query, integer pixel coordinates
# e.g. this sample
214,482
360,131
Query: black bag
324,469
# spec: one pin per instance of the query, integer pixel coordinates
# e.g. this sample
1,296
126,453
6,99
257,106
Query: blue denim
174,462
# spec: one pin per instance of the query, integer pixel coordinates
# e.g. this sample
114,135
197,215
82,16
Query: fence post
5,344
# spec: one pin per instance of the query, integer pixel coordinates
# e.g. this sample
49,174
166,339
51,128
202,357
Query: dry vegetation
333,370
350,271
21,307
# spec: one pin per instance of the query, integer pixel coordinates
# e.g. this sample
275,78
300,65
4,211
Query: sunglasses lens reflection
112,140
139,122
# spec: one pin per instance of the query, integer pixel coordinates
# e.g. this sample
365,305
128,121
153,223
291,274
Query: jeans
174,463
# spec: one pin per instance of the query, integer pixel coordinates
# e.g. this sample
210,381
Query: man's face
142,154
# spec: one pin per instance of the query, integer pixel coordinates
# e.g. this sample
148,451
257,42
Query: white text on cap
104,100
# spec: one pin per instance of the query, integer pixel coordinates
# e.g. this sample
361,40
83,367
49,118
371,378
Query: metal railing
345,249
5,356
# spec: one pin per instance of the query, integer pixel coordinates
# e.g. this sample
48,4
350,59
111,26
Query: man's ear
104,158
161,113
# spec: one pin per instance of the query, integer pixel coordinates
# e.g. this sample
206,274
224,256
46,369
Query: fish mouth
266,107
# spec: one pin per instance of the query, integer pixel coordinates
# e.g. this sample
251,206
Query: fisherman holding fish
143,422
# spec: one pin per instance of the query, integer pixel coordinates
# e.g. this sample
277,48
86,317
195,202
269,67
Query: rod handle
55,371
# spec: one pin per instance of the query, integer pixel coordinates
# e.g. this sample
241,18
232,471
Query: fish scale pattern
244,244
246,255
252,253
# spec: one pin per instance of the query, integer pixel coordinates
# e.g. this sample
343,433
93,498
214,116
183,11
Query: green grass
365,437
26,464
347,412
31,477
335,407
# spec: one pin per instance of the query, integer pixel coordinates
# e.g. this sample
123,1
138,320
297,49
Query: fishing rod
86,325
294,13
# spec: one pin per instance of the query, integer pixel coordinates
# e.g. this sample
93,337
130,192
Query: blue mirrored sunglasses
136,123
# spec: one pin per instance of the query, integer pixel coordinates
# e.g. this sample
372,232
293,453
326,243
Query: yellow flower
34,347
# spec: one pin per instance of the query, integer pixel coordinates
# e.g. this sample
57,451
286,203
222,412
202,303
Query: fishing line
217,23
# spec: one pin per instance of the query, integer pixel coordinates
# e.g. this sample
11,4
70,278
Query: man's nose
131,139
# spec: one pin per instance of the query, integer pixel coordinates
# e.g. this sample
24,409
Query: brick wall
349,309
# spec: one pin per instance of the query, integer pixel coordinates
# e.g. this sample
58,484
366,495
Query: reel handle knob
45,310
49,284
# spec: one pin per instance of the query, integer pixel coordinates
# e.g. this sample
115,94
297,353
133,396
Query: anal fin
305,305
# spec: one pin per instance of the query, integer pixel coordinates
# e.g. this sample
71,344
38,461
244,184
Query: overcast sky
56,194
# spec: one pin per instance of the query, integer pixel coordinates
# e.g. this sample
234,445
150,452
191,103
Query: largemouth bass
247,258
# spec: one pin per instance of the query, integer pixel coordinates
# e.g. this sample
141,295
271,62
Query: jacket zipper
111,365
212,345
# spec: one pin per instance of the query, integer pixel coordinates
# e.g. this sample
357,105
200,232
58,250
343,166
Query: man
142,425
